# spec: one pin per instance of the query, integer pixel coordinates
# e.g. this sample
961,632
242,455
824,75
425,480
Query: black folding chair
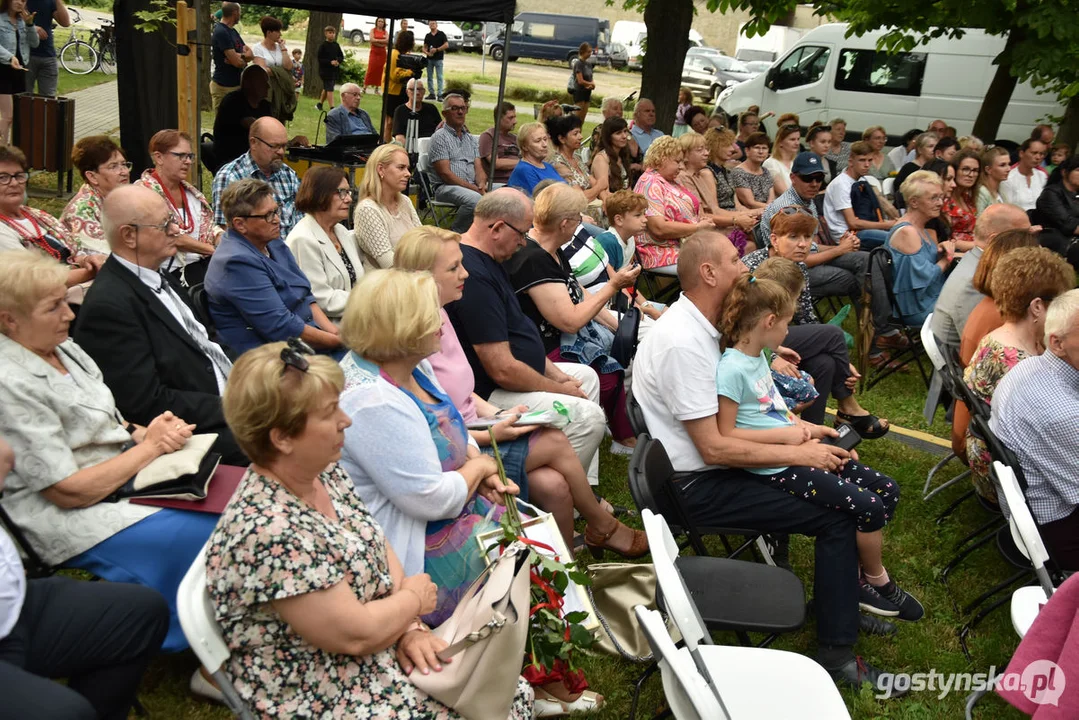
880,269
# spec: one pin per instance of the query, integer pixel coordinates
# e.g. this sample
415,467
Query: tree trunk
999,94
668,23
1069,127
205,27
145,83
316,23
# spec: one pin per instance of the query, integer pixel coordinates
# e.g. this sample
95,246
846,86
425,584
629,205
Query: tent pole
386,79
507,33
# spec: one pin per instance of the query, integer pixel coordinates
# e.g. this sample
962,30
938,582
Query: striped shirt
587,259
460,149
285,184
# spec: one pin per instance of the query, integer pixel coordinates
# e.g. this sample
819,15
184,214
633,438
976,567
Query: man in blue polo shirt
503,346
43,71
229,52
644,124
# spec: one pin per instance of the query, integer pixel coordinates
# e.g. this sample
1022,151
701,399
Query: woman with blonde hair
699,180
918,274
673,212
787,144
881,165
339,600
996,164
533,168
384,213
839,152
540,460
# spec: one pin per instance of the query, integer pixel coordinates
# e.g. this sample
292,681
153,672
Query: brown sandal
597,542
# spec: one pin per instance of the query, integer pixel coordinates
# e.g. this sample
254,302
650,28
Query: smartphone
848,438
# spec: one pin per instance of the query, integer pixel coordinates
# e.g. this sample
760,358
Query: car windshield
758,66
729,64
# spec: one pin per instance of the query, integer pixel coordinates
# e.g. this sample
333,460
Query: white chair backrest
196,615
888,185
1024,529
874,182
929,342
422,145
676,598
688,693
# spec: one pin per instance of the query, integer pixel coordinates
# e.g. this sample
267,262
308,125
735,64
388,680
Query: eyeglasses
522,233
19,177
276,147
161,227
457,108
188,156
344,192
118,166
269,217
795,210
968,171
293,355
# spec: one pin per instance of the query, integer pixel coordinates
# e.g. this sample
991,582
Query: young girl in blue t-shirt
755,317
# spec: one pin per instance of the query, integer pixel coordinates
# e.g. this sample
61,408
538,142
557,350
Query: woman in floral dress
1024,283
318,614
960,207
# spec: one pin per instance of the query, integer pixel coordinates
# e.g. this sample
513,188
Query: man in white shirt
839,208
1027,178
674,381
139,326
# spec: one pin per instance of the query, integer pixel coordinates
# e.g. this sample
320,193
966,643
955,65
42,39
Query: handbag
181,475
571,84
486,636
624,346
615,590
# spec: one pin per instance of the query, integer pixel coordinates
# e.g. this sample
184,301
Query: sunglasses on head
795,210
293,355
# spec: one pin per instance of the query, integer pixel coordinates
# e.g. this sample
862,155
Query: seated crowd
347,370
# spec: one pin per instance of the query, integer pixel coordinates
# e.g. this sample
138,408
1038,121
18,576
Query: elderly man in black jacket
139,327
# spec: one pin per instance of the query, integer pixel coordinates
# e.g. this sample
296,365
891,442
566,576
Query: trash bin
44,129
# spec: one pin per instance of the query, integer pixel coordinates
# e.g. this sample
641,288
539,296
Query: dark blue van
546,36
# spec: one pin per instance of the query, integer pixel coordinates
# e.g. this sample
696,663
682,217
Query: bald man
958,296
264,160
139,325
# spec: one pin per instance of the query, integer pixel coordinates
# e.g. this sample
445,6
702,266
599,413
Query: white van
827,75
631,35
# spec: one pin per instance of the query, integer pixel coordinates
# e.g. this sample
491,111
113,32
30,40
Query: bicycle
105,39
77,56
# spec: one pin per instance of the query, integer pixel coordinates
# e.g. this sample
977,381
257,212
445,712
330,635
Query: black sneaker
871,600
870,625
857,671
779,547
909,608
318,106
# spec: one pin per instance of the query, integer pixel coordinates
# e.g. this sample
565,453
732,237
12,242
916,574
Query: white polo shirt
674,379
12,585
1017,191
836,200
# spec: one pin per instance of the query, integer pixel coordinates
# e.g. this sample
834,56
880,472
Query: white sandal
548,706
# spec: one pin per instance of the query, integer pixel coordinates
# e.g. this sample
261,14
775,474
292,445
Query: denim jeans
464,199
872,238
434,67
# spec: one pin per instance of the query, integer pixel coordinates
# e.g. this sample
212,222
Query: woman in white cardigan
384,212
324,249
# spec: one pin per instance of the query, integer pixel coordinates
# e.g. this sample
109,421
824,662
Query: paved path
97,110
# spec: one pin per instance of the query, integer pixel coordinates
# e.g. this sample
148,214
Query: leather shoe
857,671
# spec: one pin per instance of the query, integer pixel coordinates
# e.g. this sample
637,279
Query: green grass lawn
68,83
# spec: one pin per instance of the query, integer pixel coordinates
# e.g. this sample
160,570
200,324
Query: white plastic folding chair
688,693
874,182
738,673
888,185
196,615
932,398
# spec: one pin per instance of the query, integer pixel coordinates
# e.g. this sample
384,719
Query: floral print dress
991,362
961,219
82,218
270,545
671,202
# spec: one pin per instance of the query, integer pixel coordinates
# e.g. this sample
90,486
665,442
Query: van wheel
356,37
570,58
496,52
713,97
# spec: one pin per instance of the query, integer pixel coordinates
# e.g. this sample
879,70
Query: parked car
702,51
632,35
827,74
357,28
547,36
617,55
472,36
707,75
454,36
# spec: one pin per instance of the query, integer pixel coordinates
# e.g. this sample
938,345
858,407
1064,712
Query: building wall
719,31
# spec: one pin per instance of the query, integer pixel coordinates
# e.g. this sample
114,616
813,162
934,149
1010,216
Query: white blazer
323,266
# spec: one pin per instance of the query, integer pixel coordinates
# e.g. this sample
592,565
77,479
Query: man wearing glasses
456,172
264,160
347,118
139,326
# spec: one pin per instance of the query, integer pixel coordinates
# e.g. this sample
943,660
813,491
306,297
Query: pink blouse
453,372
671,202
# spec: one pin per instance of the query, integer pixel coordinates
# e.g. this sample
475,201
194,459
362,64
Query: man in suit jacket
139,327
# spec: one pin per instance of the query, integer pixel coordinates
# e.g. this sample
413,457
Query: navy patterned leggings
857,490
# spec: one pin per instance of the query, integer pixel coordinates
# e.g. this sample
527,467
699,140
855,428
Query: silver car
707,75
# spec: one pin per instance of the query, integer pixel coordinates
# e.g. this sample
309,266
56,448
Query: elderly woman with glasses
74,450
22,226
103,167
257,291
173,156
330,627
325,250
919,262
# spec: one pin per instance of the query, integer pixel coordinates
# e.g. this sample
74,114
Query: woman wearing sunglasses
171,151
103,167
324,249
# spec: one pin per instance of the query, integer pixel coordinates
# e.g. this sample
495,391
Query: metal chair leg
973,699
992,526
976,602
637,685
962,555
965,631
954,506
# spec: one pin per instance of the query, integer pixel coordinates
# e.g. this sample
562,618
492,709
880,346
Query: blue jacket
340,121
255,299
8,32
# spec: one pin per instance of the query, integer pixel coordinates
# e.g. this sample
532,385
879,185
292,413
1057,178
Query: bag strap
493,627
614,641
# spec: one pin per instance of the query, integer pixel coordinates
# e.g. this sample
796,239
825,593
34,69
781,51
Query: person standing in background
403,28
43,70
297,69
435,45
229,52
330,58
376,59
581,80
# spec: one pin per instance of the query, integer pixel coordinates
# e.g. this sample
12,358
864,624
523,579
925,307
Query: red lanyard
187,223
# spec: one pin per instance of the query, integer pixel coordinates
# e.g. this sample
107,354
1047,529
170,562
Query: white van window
802,67
877,72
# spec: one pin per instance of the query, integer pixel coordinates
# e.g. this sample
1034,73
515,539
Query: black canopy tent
146,89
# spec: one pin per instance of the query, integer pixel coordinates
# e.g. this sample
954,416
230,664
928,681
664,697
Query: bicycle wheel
107,55
78,57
